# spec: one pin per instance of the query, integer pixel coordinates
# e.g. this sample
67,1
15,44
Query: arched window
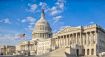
83,52
92,51
87,51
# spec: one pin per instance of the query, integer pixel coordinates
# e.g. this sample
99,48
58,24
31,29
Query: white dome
42,28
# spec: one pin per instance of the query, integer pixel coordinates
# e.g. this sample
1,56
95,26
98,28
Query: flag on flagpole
22,35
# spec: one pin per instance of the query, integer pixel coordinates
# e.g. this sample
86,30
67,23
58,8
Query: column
72,39
83,37
67,40
63,41
79,39
81,42
59,42
76,38
89,51
95,36
85,51
86,38
91,38
56,44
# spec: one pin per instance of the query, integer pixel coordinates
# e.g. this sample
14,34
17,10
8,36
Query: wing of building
79,41
7,50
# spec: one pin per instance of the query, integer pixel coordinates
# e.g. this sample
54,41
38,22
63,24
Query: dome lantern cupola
42,14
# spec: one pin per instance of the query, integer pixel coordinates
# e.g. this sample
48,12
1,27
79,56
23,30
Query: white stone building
80,41
7,50
83,40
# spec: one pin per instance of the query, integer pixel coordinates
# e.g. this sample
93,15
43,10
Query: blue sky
19,16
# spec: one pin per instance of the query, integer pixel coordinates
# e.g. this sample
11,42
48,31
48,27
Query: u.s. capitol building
79,41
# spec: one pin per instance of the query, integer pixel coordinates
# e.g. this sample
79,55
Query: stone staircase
60,52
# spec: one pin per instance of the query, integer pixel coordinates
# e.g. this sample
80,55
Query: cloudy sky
19,16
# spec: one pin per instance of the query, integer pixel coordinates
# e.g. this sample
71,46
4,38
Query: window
67,36
83,52
87,51
77,51
92,51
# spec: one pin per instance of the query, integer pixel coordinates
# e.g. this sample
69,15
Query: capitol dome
42,28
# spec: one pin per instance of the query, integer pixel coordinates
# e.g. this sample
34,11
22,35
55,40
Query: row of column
41,35
67,40
85,52
89,51
76,38
89,38
41,27
25,47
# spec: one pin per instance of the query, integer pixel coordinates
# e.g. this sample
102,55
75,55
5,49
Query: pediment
68,29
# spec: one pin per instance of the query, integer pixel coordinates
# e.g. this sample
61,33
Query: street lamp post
35,43
5,50
28,48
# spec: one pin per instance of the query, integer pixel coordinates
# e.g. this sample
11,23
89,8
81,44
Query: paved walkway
17,56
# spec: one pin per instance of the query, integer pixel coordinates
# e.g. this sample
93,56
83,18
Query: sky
19,16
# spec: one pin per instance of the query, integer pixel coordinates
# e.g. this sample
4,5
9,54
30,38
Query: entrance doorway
77,52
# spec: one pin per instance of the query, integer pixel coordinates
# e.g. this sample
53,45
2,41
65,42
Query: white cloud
6,21
8,39
57,10
54,8
40,4
60,4
23,20
57,18
31,21
32,7
91,22
30,27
